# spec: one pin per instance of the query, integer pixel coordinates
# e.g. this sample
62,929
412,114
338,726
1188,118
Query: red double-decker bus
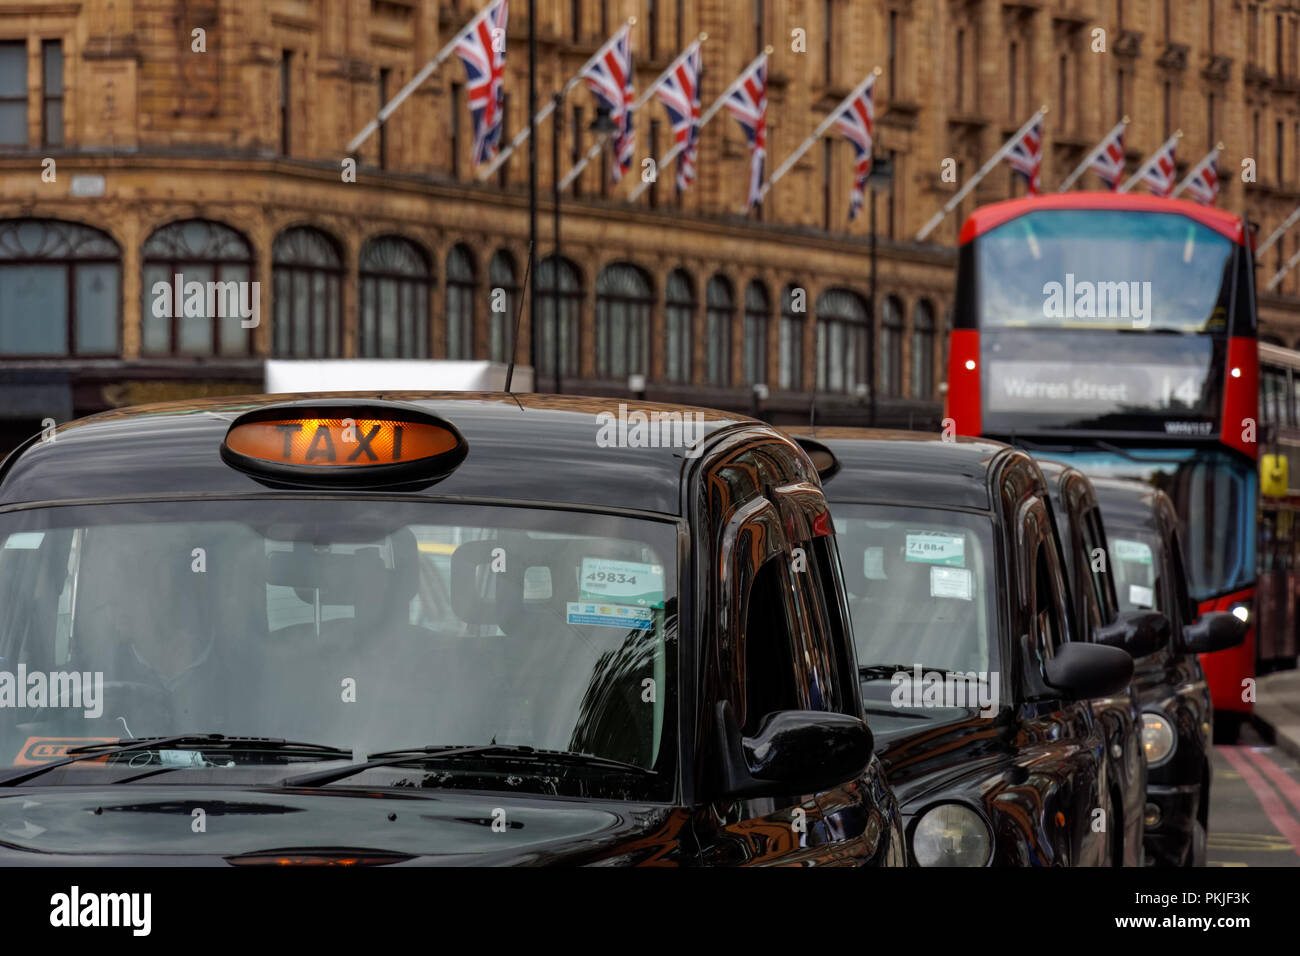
1118,332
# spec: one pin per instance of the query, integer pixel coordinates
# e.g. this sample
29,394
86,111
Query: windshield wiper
394,758
125,745
883,671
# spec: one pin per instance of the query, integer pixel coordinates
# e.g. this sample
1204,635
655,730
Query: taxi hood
154,825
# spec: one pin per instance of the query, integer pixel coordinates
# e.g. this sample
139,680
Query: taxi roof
522,447
907,467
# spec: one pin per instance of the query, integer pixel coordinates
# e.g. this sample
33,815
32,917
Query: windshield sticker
952,583
1141,596
25,540
39,750
934,547
611,615
873,564
1134,552
629,582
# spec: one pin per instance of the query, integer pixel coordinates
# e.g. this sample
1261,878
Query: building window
562,299
52,93
1012,63
575,149
394,299
891,346
221,261
1277,42
842,326
760,26
652,27
60,289
790,366
456,95
757,311
828,186
1168,106
505,293
720,308
460,303
623,305
923,350
1280,153
679,314
1063,85
575,20
307,279
13,93
828,42
893,55
961,70
286,100
1209,120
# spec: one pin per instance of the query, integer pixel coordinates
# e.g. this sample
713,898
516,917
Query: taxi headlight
1158,739
951,835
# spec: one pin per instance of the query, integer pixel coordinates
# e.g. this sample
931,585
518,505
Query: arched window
757,308
215,264
460,303
623,304
679,315
60,289
395,279
504,301
307,271
794,309
842,327
923,350
720,307
562,300
891,346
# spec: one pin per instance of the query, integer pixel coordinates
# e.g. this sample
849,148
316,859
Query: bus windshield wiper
127,745
519,753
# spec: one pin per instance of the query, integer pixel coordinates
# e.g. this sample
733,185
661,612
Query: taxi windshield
365,624
921,584
1137,577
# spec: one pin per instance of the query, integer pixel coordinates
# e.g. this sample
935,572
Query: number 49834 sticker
628,582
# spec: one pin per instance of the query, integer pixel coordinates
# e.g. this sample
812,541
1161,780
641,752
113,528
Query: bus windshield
1104,269
1214,493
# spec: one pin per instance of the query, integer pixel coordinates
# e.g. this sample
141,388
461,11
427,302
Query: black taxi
978,699
1177,714
427,628
1096,616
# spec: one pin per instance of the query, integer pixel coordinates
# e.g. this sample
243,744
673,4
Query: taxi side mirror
794,751
1083,671
1214,631
1138,632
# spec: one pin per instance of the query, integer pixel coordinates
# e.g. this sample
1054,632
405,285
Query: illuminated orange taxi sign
361,444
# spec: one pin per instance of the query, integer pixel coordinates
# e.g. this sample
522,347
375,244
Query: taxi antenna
519,314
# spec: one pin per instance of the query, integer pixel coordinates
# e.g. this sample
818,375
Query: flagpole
1150,161
983,171
1196,170
1287,223
817,134
1087,160
425,72
711,112
640,101
490,168
1290,264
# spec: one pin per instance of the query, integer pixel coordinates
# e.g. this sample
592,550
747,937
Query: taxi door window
1103,583
1181,598
1049,613
826,581
768,645
817,634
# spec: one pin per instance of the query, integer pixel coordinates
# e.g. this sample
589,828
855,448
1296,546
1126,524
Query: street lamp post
879,179
532,180
556,136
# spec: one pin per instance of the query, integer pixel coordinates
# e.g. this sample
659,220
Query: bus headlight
1158,739
1241,611
951,835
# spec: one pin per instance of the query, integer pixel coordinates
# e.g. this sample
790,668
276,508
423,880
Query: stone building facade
142,138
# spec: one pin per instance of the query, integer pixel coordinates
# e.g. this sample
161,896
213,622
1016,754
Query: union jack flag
1159,172
1109,161
482,48
1204,185
609,77
855,122
747,102
1026,156
680,94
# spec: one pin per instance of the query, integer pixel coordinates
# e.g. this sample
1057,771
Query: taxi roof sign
345,443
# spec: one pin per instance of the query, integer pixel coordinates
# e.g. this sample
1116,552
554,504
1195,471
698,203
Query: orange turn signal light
350,443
